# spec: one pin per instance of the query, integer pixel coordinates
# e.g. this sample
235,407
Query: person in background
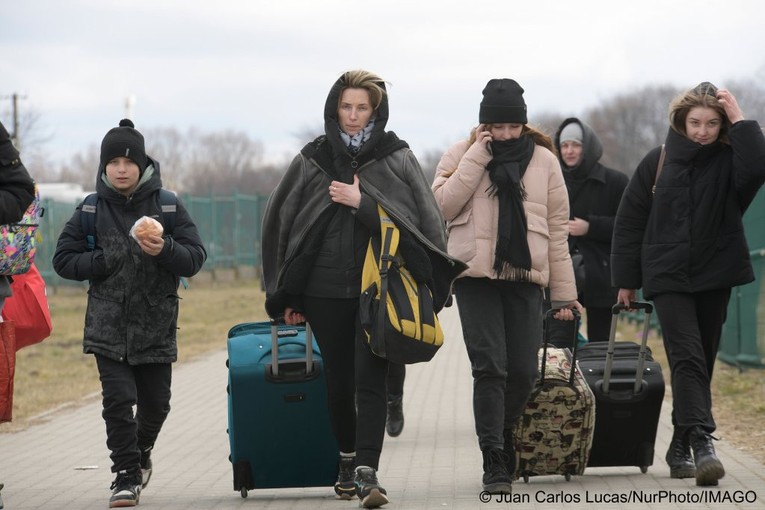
504,199
17,191
394,423
316,229
594,192
132,311
684,245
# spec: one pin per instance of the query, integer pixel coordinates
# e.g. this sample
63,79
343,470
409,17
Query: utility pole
15,112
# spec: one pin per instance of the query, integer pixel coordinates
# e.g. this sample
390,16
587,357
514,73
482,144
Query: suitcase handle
279,321
547,318
615,310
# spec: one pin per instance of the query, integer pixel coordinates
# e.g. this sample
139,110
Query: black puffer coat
17,190
133,297
594,193
689,236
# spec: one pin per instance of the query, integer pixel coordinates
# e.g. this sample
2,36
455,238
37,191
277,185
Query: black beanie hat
502,103
124,141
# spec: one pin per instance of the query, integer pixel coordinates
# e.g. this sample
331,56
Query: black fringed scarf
512,259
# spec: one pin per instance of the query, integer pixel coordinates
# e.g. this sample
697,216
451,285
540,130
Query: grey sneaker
368,489
126,490
146,467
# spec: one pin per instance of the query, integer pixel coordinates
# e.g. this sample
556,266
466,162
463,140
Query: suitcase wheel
525,478
243,492
568,477
644,469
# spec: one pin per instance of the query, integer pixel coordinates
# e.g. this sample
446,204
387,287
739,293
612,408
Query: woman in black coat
684,244
594,193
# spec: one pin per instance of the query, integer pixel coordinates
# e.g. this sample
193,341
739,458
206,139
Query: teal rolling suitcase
278,422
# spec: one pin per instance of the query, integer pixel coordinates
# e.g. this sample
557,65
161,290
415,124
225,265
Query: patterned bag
554,434
18,241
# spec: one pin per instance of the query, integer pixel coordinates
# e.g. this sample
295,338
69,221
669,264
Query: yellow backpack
396,312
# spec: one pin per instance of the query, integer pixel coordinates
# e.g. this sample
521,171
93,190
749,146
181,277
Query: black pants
147,387
351,370
395,380
502,327
692,326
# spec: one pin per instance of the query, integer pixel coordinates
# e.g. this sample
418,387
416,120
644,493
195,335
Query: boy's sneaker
345,487
145,467
369,491
126,489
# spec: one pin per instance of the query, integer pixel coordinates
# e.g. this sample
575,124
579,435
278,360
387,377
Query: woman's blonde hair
704,95
361,79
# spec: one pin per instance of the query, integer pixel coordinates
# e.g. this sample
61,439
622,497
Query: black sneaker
1,497
345,487
496,478
126,489
146,467
394,423
368,489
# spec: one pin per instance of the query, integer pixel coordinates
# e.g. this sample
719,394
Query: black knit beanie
502,103
124,141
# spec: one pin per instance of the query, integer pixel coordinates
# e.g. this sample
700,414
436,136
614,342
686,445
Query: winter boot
496,478
709,469
679,456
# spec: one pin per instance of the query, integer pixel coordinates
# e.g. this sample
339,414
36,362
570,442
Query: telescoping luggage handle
619,307
548,317
276,333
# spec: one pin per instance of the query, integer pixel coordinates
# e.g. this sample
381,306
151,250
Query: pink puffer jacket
462,187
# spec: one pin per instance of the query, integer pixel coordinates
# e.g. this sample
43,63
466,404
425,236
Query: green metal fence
228,225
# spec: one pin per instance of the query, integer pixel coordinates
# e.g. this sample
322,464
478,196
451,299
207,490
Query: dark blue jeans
691,325
502,328
123,386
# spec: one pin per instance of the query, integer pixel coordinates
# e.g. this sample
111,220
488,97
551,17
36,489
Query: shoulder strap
658,168
169,203
390,236
88,219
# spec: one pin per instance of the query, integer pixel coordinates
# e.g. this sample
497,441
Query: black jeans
691,325
123,386
351,371
502,328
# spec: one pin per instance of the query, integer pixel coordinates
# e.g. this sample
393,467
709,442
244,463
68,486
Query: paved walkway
434,464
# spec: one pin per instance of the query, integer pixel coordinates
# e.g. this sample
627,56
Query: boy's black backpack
167,200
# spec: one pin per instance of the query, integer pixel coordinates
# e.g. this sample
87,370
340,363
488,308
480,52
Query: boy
130,322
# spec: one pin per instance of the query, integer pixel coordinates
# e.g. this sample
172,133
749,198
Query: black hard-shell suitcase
629,390
278,421
554,434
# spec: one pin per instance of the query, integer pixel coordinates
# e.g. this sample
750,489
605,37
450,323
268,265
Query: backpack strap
88,219
169,203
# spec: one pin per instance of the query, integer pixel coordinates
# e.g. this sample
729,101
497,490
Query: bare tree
631,124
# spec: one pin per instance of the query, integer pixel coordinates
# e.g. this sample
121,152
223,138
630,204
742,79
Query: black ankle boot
395,421
496,479
510,452
709,469
679,456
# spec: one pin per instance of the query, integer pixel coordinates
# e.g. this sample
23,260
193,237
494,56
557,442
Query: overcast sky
265,66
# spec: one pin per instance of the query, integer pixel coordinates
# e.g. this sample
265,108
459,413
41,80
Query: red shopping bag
7,370
28,308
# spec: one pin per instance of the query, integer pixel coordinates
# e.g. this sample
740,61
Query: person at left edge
316,228
132,312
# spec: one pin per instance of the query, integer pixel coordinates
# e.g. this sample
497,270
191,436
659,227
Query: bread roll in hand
146,227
